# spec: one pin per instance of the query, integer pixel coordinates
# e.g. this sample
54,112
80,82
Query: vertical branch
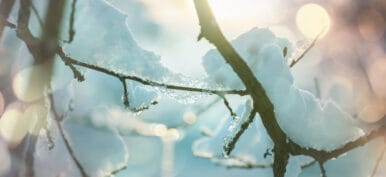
228,106
229,146
40,20
5,10
281,156
42,50
125,93
322,170
71,30
211,31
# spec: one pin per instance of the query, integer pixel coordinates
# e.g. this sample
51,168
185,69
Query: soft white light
312,19
29,84
190,117
12,126
159,130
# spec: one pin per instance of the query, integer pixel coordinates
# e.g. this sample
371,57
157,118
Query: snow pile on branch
102,38
303,118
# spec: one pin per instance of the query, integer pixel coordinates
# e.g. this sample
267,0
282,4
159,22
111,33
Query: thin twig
322,155
113,173
322,170
230,145
68,60
71,30
41,23
125,93
296,60
58,120
228,106
242,163
308,164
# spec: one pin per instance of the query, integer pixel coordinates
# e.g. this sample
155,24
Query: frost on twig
296,58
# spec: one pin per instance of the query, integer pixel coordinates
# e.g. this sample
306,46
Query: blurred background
346,65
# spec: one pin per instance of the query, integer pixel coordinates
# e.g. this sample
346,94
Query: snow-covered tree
90,100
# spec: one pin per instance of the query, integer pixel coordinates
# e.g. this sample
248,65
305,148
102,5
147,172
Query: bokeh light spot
312,19
12,126
371,25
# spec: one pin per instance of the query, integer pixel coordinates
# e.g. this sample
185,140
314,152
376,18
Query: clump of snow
302,117
248,45
102,38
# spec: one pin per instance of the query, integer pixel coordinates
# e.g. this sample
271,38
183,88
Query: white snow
302,117
102,38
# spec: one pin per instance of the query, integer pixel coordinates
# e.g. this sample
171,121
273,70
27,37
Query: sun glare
312,19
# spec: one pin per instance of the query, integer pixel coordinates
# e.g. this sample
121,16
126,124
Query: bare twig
239,163
322,155
296,60
322,170
40,20
113,173
228,106
58,120
308,164
71,30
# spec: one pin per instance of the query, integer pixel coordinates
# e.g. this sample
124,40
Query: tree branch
71,30
211,31
322,156
296,60
70,61
322,170
5,9
228,106
58,121
229,146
